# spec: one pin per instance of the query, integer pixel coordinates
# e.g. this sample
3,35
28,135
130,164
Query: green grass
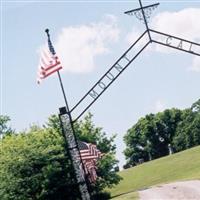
129,196
184,165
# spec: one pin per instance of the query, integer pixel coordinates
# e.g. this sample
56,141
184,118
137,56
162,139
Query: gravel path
187,190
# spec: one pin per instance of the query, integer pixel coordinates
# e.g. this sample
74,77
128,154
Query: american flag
89,155
49,64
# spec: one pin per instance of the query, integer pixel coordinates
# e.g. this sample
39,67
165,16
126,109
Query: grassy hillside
180,166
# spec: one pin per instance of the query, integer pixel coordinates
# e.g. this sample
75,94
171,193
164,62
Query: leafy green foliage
157,135
86,131
5,129
196,106
35,164
188,131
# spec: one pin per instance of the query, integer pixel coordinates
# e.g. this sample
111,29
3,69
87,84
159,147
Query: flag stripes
89,155
49,64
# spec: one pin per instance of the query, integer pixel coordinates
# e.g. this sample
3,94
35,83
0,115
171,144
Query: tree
157,135
166,125
188,131
196,106
86,131
136,140
151,136
35,165
5,129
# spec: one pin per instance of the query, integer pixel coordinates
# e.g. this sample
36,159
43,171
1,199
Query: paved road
187,190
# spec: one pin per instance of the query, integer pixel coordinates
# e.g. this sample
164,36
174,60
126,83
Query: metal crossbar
139,9
93,94
100,83
180,44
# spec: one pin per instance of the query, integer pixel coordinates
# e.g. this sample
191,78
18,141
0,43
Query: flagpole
59,77
63,91
72,126
51,48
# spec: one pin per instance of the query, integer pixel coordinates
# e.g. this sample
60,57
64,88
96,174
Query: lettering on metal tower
74,153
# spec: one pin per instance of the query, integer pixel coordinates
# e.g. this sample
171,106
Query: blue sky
90,36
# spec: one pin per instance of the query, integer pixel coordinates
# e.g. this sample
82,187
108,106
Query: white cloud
78,46
132,36
183,24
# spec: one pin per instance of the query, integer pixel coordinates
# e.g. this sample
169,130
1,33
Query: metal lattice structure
139,14
72,147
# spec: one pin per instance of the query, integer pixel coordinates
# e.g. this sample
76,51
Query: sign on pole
74,152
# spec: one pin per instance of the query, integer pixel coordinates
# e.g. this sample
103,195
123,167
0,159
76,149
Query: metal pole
70,117
73,150
145,21
69,133
70,136
63,91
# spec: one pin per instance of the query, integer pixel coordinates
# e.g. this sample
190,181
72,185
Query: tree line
161,134
34,164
